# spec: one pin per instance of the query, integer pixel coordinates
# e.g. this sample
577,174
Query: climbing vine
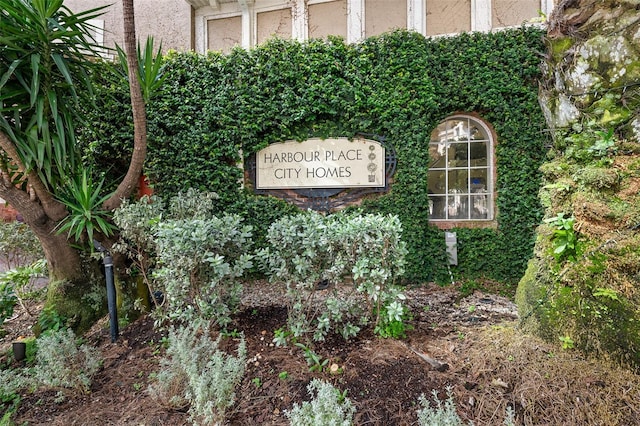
215,110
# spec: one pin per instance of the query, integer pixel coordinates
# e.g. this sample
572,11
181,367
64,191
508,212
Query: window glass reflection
478,154
457,206
437,182
457,155
479,207
436,156
460,181
437,206
478,133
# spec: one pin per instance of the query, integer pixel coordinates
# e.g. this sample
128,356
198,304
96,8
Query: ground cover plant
459,359
491,368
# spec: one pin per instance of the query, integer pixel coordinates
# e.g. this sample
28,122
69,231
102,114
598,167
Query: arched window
460,182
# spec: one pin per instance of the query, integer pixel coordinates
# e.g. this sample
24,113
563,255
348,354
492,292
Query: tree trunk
69,278
70,275
130,182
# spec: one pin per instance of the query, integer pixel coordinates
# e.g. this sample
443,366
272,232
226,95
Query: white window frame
98,37
452,199
248,9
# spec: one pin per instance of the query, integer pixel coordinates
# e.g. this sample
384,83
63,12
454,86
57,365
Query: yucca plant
84,201
43,71
48,59
150,67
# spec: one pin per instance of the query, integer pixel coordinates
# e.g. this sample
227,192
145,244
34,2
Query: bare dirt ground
465,344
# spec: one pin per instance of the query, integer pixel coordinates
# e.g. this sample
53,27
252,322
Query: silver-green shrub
328,407
192,204
444,413
197,258
62,361
201,263
196,374
12,381
440,413
136,223
365,250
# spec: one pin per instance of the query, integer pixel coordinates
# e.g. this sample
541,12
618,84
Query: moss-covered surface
591,300
68,305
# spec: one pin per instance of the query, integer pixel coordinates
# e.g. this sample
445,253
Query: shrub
329,407
201,261
11,382
136,222
196,373
18,245
344,247
18,283
198,258
64,362
440,414
8,300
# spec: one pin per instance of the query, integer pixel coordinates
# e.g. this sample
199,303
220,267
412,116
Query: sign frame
321,163
328,198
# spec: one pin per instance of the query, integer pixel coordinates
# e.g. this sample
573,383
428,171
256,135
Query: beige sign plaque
321,163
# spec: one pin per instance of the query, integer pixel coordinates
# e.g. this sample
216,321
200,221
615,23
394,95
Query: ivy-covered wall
399,85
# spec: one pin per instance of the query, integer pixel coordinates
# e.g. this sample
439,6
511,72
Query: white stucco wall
168,21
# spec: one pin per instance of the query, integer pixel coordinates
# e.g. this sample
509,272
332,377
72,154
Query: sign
321,163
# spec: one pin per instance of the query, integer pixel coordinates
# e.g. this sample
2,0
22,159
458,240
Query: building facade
462,174
168,21
223,24
203,25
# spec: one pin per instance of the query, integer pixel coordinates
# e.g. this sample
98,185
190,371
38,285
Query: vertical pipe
111,296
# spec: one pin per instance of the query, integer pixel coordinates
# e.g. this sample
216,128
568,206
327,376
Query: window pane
437,183
457,206
384,15
436,155
328,18
479,180
459,130
458,181
436,135
437,207
513,12
273,23
458,155
478,154
223,34
479,207
448,16
477,133
449,131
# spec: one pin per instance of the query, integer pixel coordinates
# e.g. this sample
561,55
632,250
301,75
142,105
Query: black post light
111,289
